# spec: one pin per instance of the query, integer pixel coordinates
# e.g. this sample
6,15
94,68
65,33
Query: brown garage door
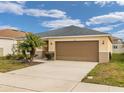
77,50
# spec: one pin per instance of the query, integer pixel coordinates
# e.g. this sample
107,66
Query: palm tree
24,48
30,44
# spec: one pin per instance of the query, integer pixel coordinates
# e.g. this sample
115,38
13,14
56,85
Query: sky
40,16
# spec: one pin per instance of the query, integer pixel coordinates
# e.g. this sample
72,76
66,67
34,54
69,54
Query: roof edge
75,36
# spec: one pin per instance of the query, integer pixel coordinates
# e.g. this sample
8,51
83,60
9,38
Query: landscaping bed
111,73
9,65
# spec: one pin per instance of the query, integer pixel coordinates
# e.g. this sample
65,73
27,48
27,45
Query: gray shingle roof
70,31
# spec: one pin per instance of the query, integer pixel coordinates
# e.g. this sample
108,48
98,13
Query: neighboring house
118,45
12,33
8,40
82,44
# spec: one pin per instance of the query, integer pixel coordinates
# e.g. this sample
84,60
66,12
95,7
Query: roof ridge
13,30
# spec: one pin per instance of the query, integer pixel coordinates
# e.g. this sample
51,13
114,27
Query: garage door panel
79,50
74,58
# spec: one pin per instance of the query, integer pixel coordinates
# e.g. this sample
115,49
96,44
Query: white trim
76,36
7,38
118,44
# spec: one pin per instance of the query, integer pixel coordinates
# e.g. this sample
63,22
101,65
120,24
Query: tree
30,44
24,48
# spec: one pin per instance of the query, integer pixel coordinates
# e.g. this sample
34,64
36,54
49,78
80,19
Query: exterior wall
119,49
110,46
105,45
7,45
39,53
104,56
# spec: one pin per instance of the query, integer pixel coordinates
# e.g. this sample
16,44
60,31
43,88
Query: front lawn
111,73
9,65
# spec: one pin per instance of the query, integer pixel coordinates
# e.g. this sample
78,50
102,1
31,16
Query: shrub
19,56
49,55
9,56
2,58
15,57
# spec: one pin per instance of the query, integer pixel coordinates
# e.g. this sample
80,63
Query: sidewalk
88,87
81,87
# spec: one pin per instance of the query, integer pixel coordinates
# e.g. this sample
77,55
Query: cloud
119,34
62,23
8,27
87,3
103,29
106,19
121,3
99,3
107,28
20,9
47,13
11,8
103,3
21,2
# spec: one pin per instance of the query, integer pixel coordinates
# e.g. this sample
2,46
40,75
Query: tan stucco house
80,44
68,43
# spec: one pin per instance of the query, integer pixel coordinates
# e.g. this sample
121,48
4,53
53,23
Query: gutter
76,36
7,38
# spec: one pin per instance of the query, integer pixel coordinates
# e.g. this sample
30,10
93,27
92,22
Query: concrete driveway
50,76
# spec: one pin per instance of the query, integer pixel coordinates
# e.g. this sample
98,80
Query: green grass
9,65
111,73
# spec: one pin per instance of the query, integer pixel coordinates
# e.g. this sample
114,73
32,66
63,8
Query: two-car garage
77,50
79,44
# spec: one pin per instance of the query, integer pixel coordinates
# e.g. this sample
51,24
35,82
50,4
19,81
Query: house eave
52,37
7,38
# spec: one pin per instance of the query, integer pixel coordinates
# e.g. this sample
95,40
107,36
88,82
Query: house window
115,47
